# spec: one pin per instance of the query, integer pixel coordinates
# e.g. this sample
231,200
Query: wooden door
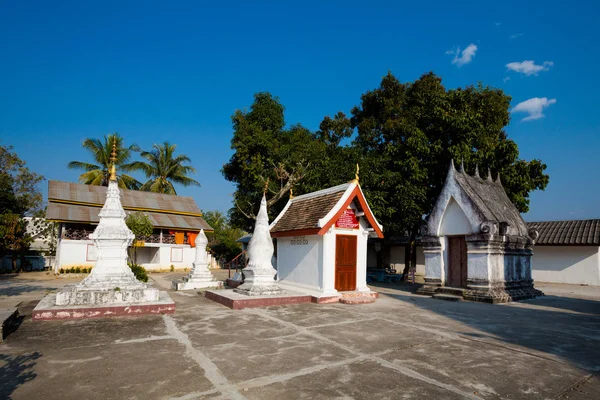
457,261
345,262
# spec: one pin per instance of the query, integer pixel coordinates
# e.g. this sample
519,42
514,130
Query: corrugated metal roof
89,214
76,193
577,232
77,203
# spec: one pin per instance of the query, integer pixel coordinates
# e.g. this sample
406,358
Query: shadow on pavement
15,371
568,328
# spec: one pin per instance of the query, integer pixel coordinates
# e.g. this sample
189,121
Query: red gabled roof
304,215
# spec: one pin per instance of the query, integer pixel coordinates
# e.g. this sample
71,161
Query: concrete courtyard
403,346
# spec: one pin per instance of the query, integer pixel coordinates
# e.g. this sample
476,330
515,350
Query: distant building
176,219
567,252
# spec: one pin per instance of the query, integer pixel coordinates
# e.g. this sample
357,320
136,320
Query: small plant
172,268
140,272
67,270
117,289
78,270
61,271
185,269
72,270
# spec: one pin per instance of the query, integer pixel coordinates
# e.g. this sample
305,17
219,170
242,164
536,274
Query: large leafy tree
141,226
19,196
407,133
266,155
98,171
164,168
223,241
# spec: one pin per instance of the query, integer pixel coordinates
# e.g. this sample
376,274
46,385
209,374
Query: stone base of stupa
230,298
78,295
258,283
194,282
47,309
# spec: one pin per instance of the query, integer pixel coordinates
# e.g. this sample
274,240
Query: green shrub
172,268
67,270
61,271
72,270
139,272
77,270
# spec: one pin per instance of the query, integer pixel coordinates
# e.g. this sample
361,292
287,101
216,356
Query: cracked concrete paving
402,346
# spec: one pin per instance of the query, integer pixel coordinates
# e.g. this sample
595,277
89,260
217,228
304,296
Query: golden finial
113,160
356,175
291,193
266,187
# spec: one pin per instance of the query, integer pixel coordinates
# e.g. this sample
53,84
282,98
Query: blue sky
156,71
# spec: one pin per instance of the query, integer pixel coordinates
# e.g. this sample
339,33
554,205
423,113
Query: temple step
447,297
450,290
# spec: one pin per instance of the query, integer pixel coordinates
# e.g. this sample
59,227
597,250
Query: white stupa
111,288
260,274
200,276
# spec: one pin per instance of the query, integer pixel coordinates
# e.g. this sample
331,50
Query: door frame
335,262
464,264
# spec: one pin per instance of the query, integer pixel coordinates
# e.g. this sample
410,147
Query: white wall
300,260
566,264
454,221
74,253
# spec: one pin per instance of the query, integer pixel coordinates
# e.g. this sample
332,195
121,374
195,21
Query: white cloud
497,23
529,67
533,107
506,79
464,57
516,35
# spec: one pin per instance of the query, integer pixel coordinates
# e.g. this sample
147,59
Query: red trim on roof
356,193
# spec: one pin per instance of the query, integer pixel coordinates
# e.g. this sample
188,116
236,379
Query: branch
251,216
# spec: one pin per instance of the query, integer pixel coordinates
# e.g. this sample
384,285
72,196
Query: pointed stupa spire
452,163
489,175
462,166
113,160
476,174
498,181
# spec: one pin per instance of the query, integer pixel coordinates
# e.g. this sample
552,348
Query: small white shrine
200,276
476,243
322,241
111,288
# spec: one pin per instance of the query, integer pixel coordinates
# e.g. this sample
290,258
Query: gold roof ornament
266,187
355,180
291,193
113,160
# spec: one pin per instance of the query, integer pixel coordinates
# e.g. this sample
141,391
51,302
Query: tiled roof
77,203
305,213
578,232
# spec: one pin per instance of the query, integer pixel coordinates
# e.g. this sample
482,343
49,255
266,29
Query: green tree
164,168
407,133
264,151
98,172
19,196
223,241
141,226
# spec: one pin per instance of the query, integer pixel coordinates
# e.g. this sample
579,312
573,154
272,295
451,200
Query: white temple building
477,243
322,241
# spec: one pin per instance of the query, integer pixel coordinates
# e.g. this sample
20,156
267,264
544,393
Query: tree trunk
410,253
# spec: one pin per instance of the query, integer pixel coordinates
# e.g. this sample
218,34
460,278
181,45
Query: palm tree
164,168
99,173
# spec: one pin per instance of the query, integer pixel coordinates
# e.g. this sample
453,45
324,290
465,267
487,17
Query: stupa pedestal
111,288
200,276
